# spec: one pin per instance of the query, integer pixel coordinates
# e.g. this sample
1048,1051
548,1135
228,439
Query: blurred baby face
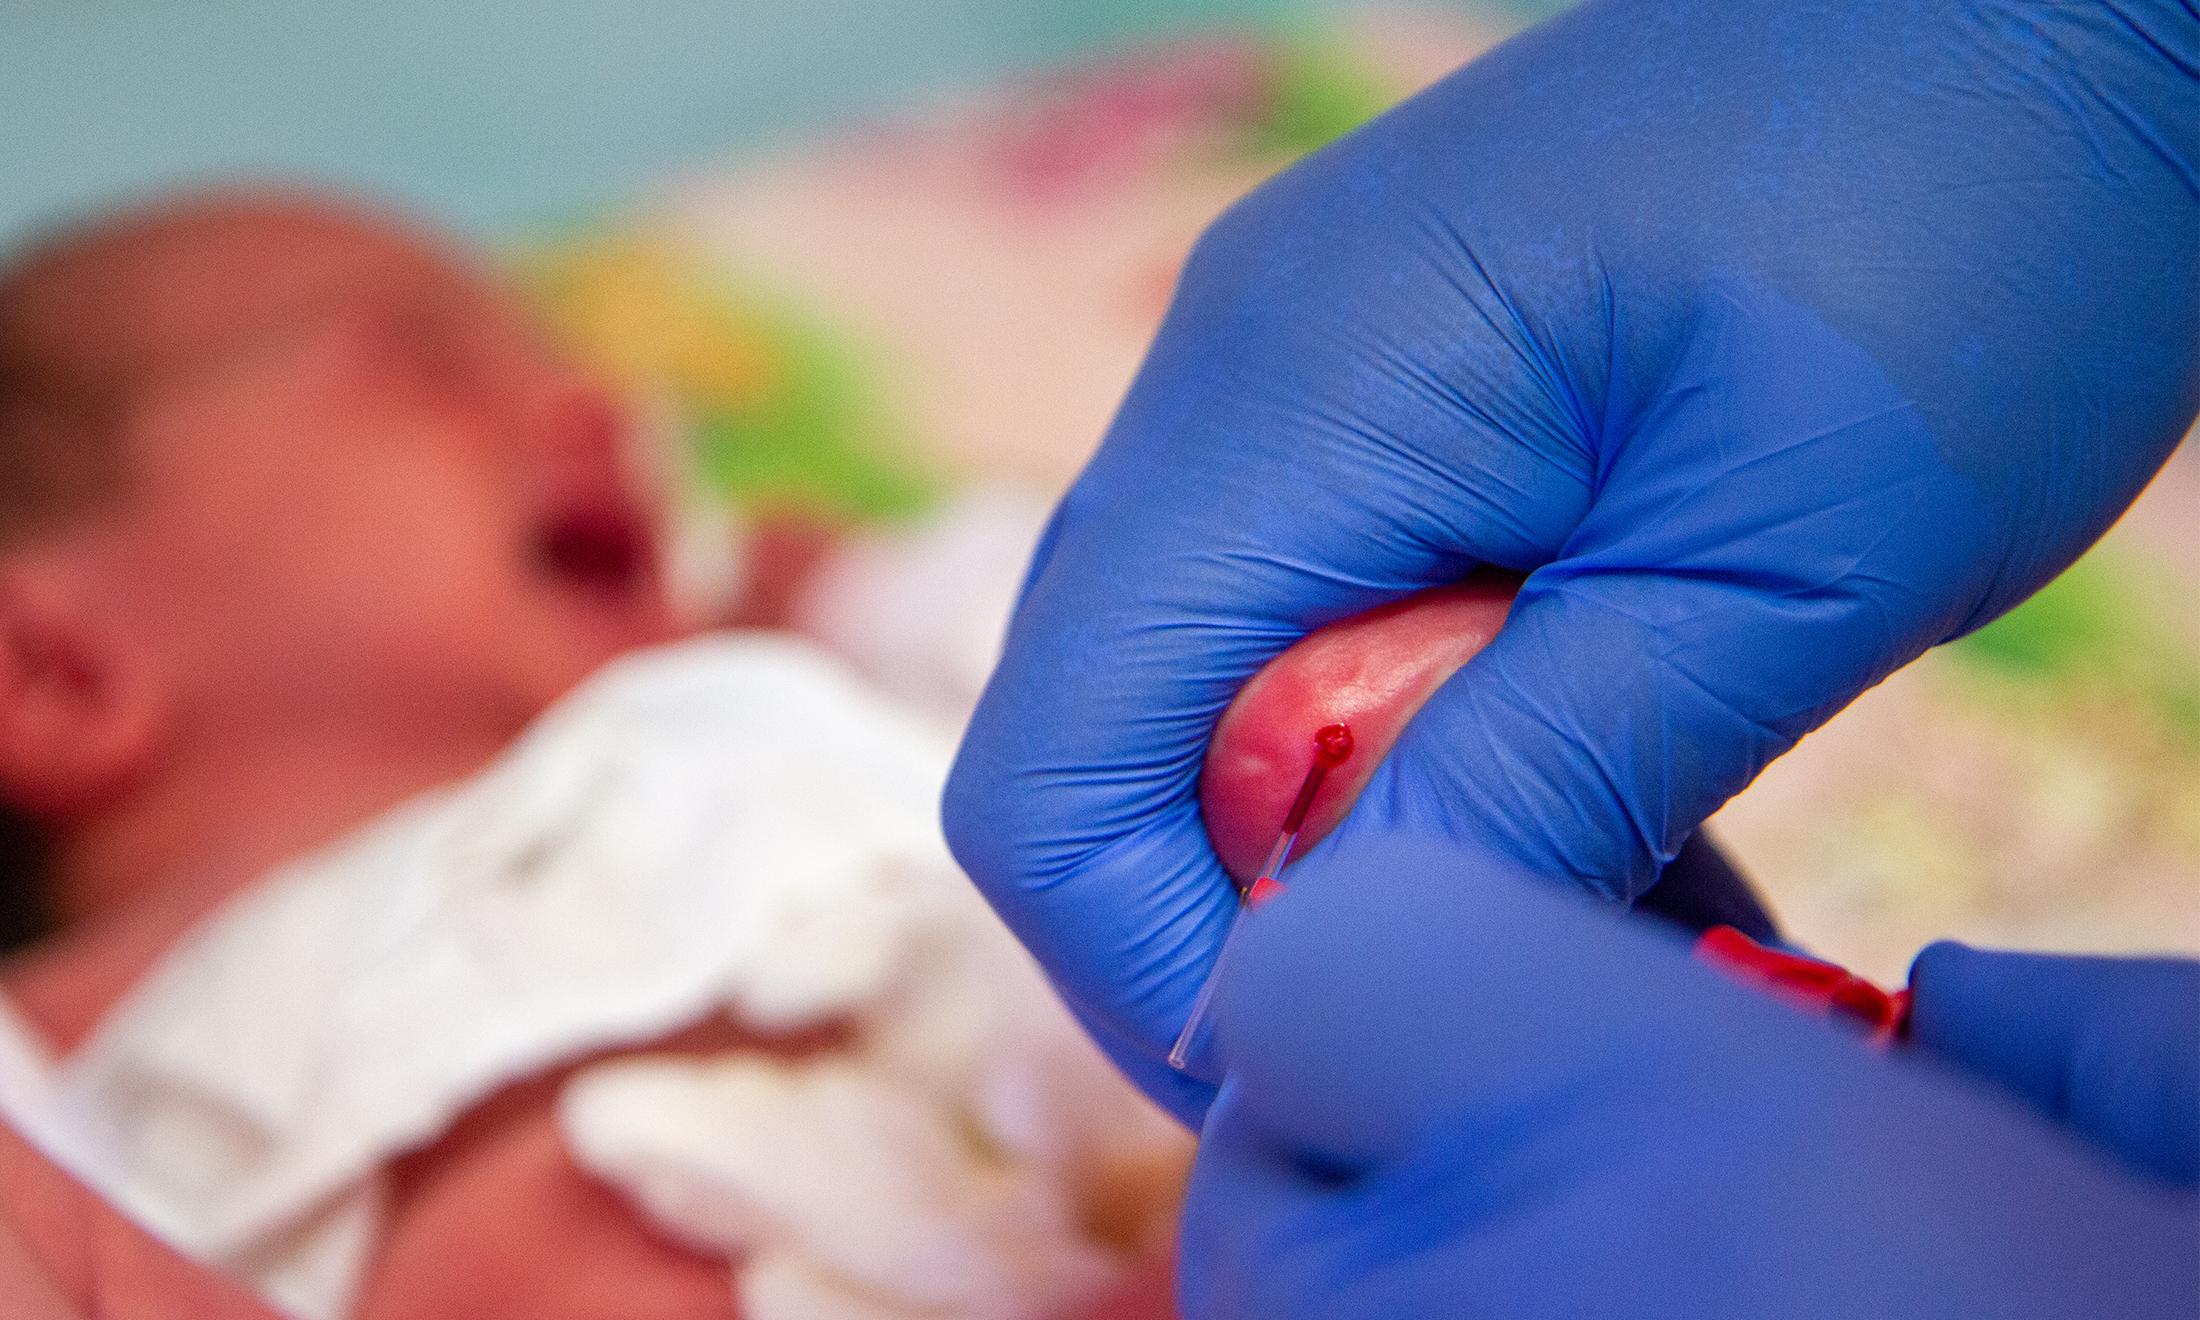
366,489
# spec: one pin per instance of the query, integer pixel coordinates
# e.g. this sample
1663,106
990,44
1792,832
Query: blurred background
503,115
861,255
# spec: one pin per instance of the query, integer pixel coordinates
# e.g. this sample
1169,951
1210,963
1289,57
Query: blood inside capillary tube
1332,748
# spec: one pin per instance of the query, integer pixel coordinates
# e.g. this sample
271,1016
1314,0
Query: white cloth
731,824
920,610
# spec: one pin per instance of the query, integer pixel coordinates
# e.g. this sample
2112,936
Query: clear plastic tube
1332,748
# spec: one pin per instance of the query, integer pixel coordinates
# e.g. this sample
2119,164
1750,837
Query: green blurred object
2092,630
817,442
1319,92
776,405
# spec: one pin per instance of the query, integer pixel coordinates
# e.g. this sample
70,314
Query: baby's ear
76,717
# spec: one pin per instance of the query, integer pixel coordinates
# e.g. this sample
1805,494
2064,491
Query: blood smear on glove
1332,748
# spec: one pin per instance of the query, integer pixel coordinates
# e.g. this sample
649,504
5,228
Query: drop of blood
1332,746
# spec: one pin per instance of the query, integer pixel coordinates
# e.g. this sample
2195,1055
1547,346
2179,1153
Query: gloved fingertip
2106,1047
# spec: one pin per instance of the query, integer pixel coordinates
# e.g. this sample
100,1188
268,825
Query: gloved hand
1495,1100
1780,340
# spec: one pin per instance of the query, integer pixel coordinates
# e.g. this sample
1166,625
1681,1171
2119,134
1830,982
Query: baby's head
289,494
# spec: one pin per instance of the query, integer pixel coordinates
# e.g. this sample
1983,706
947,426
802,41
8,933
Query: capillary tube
1332,748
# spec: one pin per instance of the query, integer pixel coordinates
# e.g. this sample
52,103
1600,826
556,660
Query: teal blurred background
498,115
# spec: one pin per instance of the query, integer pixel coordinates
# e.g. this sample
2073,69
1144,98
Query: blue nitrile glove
2109,1047
1497,1100
1781,339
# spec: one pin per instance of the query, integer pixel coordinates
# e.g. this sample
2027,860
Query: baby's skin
375,522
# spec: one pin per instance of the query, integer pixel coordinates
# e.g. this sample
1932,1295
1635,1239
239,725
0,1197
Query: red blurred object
1820,987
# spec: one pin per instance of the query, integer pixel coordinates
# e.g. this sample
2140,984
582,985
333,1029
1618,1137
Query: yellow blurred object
642,313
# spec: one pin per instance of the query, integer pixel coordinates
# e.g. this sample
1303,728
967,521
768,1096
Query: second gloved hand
1490,1099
